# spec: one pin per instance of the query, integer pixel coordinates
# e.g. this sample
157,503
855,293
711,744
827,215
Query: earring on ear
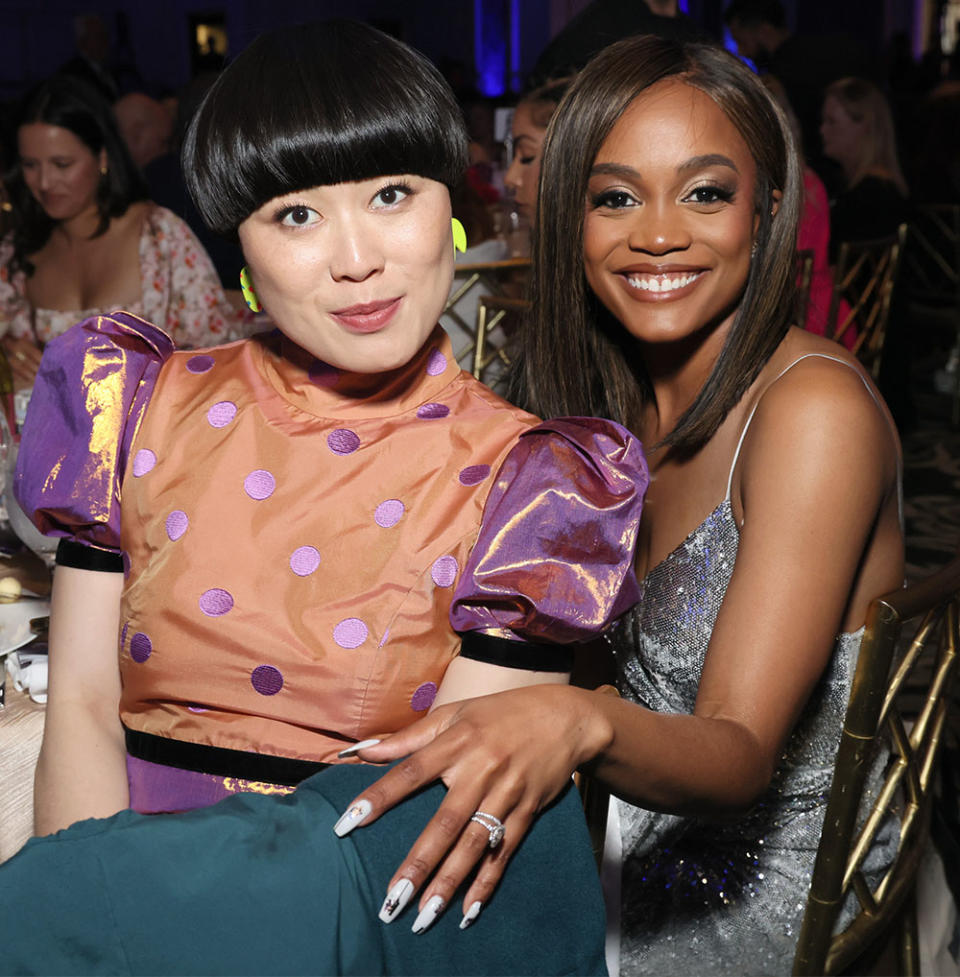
753,250
103,170
249,295
459,235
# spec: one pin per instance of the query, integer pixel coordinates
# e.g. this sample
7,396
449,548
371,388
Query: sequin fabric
722,898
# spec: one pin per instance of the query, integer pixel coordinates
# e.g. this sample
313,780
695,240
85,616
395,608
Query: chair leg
909,937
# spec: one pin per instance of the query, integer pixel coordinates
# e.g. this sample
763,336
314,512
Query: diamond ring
493,825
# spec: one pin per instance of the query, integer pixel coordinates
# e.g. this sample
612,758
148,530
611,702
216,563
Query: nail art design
356,815
471,914
428,914
356,748
396,900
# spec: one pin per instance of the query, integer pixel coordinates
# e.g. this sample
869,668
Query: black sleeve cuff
70,553
516,654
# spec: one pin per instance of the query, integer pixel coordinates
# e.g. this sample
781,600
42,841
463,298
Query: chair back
471,280
491,353
931,258
931,277
876,708
864,277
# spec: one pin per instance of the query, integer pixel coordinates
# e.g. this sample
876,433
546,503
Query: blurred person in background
145,125
857,132
86,239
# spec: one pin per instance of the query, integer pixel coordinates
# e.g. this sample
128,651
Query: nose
357,251
513,178
657,229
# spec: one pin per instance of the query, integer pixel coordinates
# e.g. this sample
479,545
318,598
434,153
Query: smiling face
670,216
355,273
523,174
59,169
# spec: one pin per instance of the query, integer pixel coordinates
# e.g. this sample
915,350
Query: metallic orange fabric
294,546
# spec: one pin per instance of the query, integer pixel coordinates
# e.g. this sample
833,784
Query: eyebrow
694,163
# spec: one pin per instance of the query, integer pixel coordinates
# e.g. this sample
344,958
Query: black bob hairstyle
317,104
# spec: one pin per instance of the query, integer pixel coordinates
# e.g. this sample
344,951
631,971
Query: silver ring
493,825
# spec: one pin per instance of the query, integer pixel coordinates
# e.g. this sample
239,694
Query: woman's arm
817,484
81,772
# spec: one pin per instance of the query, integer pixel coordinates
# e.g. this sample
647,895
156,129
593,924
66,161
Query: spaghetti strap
786,369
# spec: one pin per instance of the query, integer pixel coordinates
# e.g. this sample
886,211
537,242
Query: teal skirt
260,885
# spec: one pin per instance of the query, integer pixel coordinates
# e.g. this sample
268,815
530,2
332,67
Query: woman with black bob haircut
663,296
86,239
296,517
286,122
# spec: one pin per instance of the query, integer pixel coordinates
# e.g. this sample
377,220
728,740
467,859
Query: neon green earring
249,295
459,235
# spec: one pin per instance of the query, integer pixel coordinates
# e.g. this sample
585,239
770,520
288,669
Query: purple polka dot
343,441
222,413
444,571
140,647
323,374
304,560
177,523
383,640
436,363
125,560
143,461
266,679
431,411
351,633
196,709
389,513
423,698
215,602
200,364
259,484
474,474
123,634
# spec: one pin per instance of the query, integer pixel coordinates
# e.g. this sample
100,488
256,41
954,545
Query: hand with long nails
509,755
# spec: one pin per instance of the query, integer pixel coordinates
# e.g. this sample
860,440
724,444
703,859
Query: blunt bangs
314,105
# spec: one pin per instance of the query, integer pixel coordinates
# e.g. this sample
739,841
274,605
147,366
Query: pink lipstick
368,316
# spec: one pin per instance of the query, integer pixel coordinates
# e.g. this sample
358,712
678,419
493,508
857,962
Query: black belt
219,761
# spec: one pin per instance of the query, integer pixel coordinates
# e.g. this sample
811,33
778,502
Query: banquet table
21,729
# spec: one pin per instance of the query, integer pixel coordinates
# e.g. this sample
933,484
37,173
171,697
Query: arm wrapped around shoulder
553,562
93,387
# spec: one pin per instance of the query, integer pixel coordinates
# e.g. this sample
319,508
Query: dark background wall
36,36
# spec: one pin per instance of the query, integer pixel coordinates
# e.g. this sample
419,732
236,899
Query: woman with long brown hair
663,286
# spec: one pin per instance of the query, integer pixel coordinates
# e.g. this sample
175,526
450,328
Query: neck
82,227
678,372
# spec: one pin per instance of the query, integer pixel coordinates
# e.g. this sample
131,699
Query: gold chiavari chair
875,710
864,276
491,352
495,278
931,274
804,280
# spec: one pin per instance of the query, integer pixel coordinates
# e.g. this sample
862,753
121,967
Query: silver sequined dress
722,897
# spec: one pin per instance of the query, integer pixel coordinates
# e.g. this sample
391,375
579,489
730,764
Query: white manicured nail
428,914
356,815
471,914
396,899
356,748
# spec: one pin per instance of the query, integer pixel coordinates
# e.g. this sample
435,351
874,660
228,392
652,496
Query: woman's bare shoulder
814,395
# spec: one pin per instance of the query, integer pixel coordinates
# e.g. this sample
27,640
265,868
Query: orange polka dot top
291,536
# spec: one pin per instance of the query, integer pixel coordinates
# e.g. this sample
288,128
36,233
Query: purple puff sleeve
92,389
554,558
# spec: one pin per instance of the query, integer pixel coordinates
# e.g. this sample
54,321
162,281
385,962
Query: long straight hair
575,358
865,103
